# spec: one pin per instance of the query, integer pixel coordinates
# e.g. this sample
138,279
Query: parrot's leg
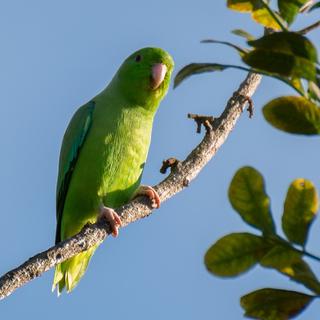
150,193
112,217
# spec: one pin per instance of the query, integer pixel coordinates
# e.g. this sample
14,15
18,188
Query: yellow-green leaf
274,304
242,5
263,16
300,209
235,253
243,33
290,263
258,12
293,114
297,84
291,43
290,8
248,197
281,63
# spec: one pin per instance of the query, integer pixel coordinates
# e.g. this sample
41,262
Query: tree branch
180,177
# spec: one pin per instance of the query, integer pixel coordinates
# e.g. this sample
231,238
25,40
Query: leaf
290,8
258,11
300,209
297,84
293,114
248,197
280,63
240,50
197,68
234,254
243,33
290,263
242,6
263,16
274,304
291,43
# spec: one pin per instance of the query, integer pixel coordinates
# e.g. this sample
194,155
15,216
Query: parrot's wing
72,142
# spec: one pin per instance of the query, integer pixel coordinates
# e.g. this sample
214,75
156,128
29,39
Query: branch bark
179,178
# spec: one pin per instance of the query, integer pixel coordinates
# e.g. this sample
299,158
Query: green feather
103,152
72,142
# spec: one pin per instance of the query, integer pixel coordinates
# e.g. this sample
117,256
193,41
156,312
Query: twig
139,208
172,163
306,7
309,28
250,108
206,121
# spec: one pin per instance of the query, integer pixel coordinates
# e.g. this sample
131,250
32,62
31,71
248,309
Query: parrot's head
144,77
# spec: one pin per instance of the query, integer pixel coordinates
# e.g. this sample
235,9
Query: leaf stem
302,251
272,76
274,16
220,67
239,49
309,28
310,255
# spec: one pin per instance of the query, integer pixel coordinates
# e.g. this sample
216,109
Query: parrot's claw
150,193
112,217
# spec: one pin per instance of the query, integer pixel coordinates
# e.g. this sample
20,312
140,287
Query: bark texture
179,178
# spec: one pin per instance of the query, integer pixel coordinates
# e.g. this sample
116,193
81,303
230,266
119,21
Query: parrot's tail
69,272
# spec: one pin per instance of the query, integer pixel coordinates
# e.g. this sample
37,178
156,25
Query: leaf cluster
236,253
288,56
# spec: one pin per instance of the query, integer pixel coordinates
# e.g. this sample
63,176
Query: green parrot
103,153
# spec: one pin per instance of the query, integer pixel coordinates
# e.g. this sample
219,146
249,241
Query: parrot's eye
138,58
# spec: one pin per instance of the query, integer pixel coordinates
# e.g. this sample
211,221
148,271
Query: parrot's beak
159,71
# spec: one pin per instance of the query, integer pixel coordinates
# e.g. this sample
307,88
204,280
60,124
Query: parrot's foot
150,193
112,217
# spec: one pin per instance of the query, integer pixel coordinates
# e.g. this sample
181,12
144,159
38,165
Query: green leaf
293,114
240,50
259,12
280,63
234,254
274,304
300,209
289,262
248,197
287,42
197,68
290,8
243,33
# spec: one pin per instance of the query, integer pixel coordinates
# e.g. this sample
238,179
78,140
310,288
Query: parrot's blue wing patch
72,142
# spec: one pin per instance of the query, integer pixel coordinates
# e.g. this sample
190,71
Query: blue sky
55,56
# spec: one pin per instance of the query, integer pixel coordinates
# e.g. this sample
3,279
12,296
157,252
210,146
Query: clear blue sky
56,55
